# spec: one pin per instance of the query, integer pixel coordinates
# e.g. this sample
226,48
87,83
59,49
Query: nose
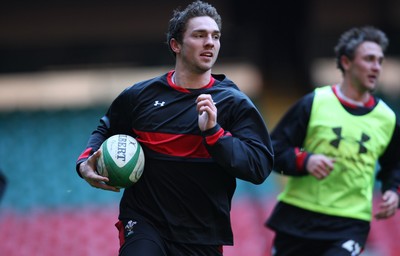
377,65
209,40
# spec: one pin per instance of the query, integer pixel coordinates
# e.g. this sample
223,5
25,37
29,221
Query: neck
191,81
352,94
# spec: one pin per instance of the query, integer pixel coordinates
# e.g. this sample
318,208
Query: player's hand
207,112
88,172
320,166
388,206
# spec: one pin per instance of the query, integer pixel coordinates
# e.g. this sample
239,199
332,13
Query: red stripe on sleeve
85,154
211,140
300,158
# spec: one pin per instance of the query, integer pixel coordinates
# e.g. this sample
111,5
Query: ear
175,46
346,62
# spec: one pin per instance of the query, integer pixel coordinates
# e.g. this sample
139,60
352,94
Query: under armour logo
353,247
157,103
338,132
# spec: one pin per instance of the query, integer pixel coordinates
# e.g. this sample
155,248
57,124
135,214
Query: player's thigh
179,249
287,245
141,247
139,238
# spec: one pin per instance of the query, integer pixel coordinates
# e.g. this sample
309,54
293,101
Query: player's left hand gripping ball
121,160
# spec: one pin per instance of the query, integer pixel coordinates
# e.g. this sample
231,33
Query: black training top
189,177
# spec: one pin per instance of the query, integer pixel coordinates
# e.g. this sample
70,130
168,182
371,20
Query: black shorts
139,238
285,245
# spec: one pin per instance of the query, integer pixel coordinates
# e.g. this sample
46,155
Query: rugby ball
121,160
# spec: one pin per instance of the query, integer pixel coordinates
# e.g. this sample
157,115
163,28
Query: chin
371,88
204,69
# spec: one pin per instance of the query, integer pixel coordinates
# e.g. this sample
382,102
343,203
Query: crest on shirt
129,227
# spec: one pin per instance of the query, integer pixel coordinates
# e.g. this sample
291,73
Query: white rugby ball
121,160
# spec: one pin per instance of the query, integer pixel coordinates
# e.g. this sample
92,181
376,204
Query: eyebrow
205,30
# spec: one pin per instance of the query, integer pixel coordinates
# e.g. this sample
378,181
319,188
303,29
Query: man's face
200,44
365,68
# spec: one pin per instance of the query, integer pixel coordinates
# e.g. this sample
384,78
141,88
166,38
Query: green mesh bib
356,142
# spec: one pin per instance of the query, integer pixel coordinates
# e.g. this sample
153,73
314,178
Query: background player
328,144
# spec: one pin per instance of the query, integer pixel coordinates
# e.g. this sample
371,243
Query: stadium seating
48,210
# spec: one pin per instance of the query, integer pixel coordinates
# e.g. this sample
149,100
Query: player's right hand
88,171
388,206
320,166
207,111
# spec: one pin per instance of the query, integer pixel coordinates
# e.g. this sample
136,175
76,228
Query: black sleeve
117,120
289,134
389,171
245,150
3,183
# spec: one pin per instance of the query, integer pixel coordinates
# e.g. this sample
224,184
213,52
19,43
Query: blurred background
62,62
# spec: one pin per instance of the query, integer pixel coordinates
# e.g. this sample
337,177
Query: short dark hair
179,20
351,39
